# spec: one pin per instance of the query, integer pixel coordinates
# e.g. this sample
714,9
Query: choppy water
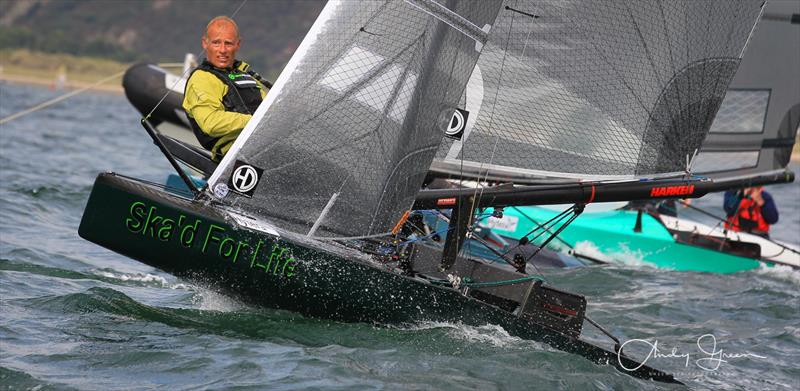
76,316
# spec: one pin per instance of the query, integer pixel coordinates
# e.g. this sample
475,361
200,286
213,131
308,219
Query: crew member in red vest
750,210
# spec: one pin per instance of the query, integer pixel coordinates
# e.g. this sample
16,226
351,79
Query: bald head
224,22
221,41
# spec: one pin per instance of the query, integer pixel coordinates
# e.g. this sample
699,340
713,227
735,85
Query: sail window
400,106
350,68
742,111
706,162
376,93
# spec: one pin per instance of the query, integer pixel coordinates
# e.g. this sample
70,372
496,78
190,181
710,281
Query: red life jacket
748,218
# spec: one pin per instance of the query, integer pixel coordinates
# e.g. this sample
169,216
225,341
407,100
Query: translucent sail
344,140
756,126
598,89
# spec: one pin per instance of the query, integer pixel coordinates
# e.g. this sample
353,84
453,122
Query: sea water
76,316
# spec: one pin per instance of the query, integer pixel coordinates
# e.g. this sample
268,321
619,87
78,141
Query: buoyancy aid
748,218
243,95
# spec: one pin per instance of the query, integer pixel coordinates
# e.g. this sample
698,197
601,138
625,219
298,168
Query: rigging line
558,231
557,217
501,282
475,196
617,345
540,226
371,18
690,206
736,213
175,83
58,99
560,217
666,37
500,76
522,12
363,30
497,253
548,228
428,236
645,46
238,8
414,225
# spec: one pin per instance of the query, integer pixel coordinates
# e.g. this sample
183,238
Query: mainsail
597,89
343,142
756,126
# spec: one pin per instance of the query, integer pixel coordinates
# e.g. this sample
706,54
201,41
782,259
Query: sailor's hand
755,194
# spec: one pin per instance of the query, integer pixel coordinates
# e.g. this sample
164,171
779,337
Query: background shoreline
112,86
66,72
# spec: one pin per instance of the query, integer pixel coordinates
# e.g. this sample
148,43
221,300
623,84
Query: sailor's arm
203,102
769,210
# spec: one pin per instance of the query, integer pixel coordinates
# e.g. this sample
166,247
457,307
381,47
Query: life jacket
243,96
748,218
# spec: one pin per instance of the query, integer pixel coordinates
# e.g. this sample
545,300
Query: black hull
195,241
145,87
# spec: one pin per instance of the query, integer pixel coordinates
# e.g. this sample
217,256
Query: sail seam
451,18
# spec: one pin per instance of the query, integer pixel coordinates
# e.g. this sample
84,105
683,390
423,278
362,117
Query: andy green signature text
708,358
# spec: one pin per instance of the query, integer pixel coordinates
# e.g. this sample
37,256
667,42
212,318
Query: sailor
222,93
750,210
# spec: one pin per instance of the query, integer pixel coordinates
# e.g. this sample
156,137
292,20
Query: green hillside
157,30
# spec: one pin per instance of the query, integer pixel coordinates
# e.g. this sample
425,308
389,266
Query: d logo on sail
457,125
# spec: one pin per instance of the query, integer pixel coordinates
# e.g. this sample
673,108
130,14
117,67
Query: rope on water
58,99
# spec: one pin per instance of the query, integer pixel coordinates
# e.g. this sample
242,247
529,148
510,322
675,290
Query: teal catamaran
312,208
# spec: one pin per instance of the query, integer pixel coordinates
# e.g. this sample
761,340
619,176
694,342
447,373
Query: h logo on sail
245,178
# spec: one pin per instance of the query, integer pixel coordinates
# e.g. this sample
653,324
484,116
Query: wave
626,256
146,279
22,381
780,272
490,334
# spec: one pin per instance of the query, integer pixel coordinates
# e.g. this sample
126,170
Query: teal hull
612,233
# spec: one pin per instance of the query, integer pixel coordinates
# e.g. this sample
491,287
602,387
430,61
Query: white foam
780,272
203,298
488,334
587,248
146,278
209,300
626,256
138,277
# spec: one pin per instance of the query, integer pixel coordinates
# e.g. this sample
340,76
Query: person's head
221,41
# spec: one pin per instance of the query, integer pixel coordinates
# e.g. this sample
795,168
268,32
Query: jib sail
597,89
756,127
